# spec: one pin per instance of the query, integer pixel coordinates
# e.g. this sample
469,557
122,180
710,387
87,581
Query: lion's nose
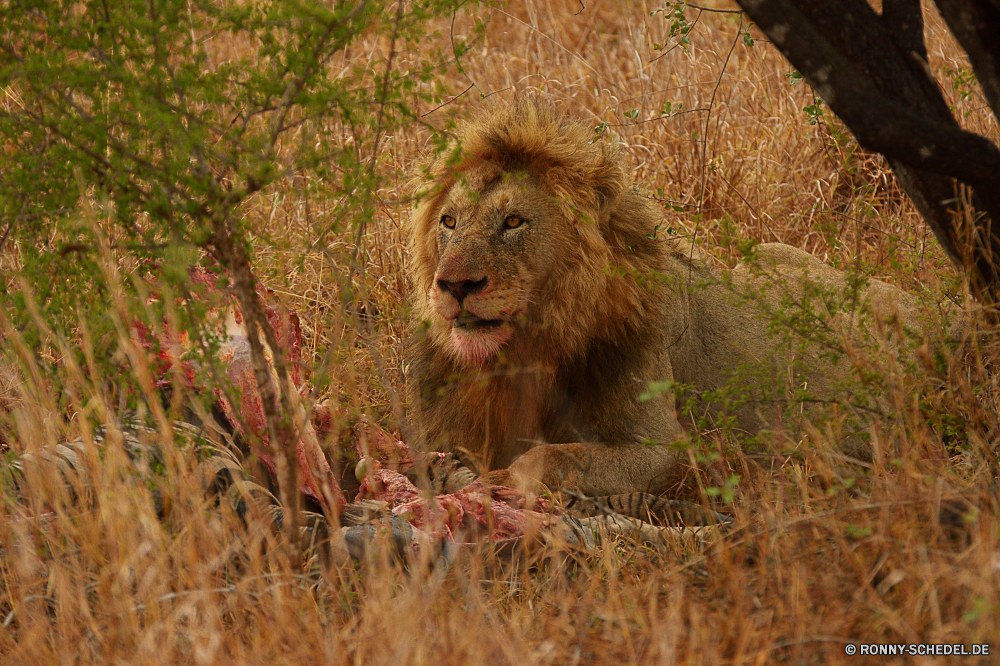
461,288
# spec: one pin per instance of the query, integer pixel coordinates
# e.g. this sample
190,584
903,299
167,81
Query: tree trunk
872,71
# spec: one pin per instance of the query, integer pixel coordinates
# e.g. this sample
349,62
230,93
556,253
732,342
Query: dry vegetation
823,552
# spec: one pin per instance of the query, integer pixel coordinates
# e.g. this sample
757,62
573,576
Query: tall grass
824,551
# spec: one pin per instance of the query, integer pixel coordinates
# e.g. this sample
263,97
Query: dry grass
823,553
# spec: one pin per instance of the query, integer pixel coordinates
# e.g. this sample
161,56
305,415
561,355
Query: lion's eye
448,221
513,222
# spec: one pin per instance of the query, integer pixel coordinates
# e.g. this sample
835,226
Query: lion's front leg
592,469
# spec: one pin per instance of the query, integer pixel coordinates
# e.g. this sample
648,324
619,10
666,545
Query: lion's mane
595,294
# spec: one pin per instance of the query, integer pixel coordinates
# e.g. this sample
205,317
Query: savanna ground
824,551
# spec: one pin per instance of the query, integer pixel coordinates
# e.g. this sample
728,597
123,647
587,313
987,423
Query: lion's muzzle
459,289
478,308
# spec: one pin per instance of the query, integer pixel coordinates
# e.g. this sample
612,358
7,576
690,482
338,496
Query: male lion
549,303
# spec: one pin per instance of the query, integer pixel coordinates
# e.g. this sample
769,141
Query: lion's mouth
477,340
471,321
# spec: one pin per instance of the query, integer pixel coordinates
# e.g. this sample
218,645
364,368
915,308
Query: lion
550,304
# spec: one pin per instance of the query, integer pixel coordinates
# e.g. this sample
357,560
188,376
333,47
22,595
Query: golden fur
549,302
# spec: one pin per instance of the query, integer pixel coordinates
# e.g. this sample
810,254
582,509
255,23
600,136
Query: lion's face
495,237
513,239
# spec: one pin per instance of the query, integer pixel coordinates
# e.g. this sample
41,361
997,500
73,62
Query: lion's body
550,303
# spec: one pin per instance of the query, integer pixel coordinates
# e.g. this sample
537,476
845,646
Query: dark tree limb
976,26
872,71
904,21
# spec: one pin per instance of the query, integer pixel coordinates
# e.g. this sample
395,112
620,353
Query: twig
443,104
670,50
669,201
712,10
668,115
497,91
708,119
